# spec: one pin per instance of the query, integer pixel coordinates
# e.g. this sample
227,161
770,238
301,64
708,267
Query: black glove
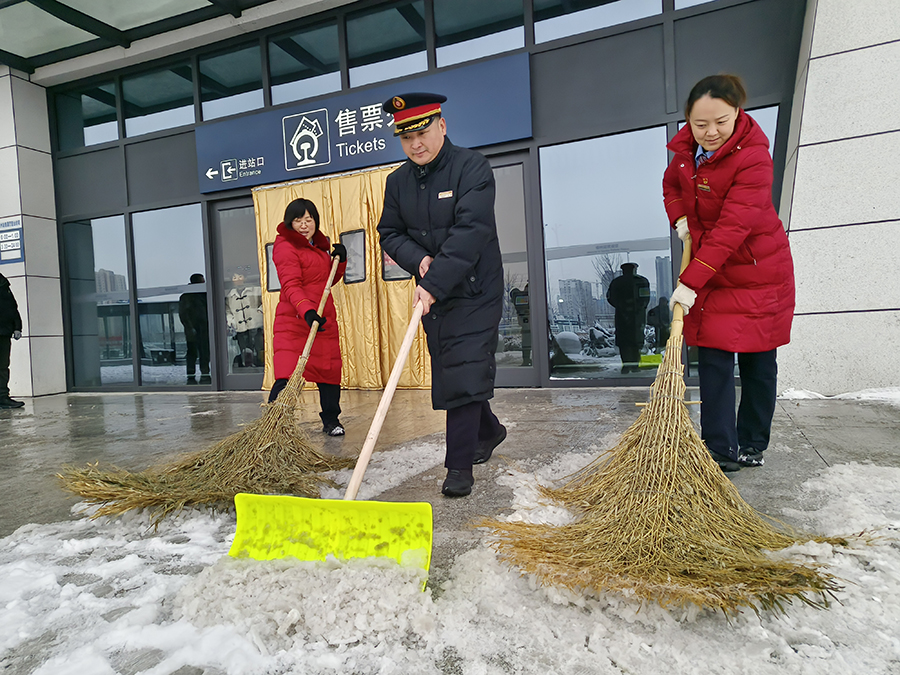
311,317
340,251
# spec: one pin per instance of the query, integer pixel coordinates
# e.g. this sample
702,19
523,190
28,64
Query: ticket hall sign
488,103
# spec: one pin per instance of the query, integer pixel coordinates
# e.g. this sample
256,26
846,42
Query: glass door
516,364
238,296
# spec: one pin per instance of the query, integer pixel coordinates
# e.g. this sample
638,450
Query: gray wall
842,200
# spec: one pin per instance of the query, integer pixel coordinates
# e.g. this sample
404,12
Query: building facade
126,199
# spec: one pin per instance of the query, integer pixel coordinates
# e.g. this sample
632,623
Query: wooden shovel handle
307,348
678,311
366,453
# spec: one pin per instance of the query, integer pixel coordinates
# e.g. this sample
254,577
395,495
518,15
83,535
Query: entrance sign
488,103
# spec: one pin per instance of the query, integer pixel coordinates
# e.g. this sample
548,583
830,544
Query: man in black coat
630,295
10,329
438,224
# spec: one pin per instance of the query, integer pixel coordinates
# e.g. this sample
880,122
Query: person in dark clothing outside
10,329
629,294
192,312
519,300
438,224
739,285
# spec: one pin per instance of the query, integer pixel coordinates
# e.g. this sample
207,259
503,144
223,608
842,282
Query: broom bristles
658,519
268,456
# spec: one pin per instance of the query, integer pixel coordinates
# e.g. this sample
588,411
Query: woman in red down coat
303,264
738,290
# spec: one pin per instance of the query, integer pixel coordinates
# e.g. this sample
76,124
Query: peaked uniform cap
414,111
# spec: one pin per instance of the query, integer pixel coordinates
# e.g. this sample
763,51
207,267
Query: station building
147,151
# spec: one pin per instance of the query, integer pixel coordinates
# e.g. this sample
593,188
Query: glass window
97,266
558,18
386,43
470,29
356,256
514,346
127,15
231,83
596,222
172,299
160,99
273,284
681,4
87,116
28,31
244,338
304,64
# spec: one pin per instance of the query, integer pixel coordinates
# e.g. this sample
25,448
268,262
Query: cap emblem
398,102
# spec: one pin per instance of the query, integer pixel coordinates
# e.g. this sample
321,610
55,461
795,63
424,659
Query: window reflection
470,29
87,116
244,339
231,82
160,99
596,220
304,64
514,347
555,19
172,296
386,43
97,267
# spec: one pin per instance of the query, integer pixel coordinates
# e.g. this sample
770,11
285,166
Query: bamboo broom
657,519
270,455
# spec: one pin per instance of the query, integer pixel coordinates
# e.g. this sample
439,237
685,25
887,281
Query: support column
27,206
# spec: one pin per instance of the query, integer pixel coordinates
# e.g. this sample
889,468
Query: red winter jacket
303,269
742,268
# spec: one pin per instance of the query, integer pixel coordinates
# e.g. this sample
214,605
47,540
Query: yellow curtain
372,314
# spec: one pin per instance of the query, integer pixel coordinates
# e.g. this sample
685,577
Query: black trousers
751,429
466,425
5,348
329,399
197,350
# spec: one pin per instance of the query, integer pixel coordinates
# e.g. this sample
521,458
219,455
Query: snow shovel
271,527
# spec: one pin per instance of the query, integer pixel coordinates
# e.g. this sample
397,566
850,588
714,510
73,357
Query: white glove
17,334
684,296
681,227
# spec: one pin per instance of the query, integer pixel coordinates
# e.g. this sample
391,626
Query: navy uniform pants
466,426
723,433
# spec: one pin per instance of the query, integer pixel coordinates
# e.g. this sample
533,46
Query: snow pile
887,395
332,602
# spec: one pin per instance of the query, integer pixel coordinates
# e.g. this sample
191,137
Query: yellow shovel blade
270,527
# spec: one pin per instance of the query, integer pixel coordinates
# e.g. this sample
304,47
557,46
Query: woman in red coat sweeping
303,264
738,290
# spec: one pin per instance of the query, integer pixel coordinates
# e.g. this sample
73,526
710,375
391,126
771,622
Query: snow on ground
887,394
111,597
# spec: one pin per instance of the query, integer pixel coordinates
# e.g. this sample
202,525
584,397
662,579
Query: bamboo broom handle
307,348
678,311
366,453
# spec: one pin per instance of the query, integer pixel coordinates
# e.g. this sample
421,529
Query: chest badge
705,188
445,195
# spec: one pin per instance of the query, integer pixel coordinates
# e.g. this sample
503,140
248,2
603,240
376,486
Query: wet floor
134,431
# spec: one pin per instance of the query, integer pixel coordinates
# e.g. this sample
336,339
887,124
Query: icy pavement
110,597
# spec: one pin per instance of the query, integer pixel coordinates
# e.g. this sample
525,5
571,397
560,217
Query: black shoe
748,457
7,403
458,483
726,463
486,448
333,429
205,379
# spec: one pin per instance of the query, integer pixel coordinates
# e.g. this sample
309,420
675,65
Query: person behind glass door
303,262
659,319
244,316
10,329
738,290
629,294
519,300
438,224
192,310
